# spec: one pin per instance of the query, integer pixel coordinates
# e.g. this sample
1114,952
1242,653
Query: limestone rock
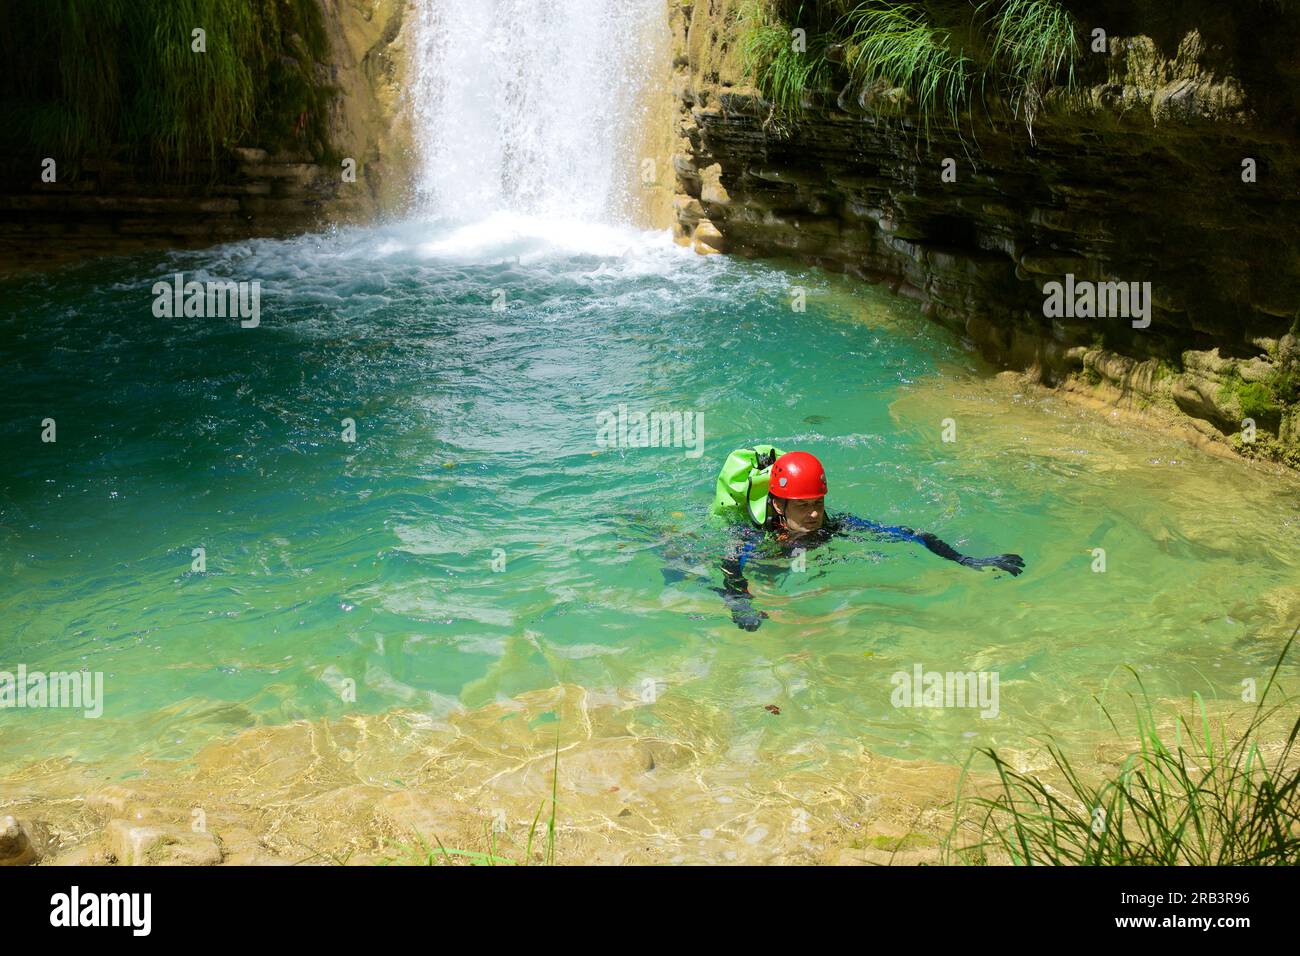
1255,370
712,192
117,802
708,239
21,842
148,845
687,175
688,210
1196,397
421,813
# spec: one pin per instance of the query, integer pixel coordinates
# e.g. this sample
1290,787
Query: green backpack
741,491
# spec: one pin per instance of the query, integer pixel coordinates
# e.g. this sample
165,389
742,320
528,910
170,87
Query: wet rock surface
22,842
132,844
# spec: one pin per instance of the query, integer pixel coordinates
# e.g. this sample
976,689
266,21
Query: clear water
476,430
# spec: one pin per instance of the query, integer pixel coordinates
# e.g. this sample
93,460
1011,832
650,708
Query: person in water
781,498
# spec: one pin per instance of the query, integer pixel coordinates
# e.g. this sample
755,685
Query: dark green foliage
1284,384
85,76
1033,45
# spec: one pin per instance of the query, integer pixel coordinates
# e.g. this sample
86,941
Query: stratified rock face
1165,168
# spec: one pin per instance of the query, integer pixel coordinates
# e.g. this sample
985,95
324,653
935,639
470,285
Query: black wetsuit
735,589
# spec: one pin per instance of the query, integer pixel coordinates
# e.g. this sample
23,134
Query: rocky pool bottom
399,788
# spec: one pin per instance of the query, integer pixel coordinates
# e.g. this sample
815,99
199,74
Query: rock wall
114,206
371,40
1138,177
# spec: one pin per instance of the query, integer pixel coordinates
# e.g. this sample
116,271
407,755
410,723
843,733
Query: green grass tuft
770,58
1034,45
1193,801
926,57
894,47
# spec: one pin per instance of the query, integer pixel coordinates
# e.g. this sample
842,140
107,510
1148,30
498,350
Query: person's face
802,515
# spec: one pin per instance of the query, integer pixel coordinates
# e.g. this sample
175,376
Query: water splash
531,107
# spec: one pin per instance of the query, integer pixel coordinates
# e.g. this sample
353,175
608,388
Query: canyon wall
1173,163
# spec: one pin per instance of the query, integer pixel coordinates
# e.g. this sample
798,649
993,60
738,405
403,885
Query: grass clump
1194,801
936,58
894,49
1034,44
783,65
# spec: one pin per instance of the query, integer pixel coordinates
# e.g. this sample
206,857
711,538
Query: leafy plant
906,59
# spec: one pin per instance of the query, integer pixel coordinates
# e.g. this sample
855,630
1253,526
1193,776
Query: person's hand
1013,564
743,614
746,618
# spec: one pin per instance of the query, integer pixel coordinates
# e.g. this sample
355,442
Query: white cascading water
531,107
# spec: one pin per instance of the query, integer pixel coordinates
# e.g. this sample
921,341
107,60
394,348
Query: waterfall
532,106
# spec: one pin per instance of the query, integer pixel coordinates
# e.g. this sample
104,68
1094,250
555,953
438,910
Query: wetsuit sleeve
735,588
1011,563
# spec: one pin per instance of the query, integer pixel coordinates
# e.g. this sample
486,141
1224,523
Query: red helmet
797,474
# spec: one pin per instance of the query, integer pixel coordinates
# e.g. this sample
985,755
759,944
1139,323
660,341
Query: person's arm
735,589
1013,564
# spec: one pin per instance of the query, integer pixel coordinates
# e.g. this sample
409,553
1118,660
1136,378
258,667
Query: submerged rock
147,845
22,842
708,239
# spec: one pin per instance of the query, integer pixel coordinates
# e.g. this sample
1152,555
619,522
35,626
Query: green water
476,438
